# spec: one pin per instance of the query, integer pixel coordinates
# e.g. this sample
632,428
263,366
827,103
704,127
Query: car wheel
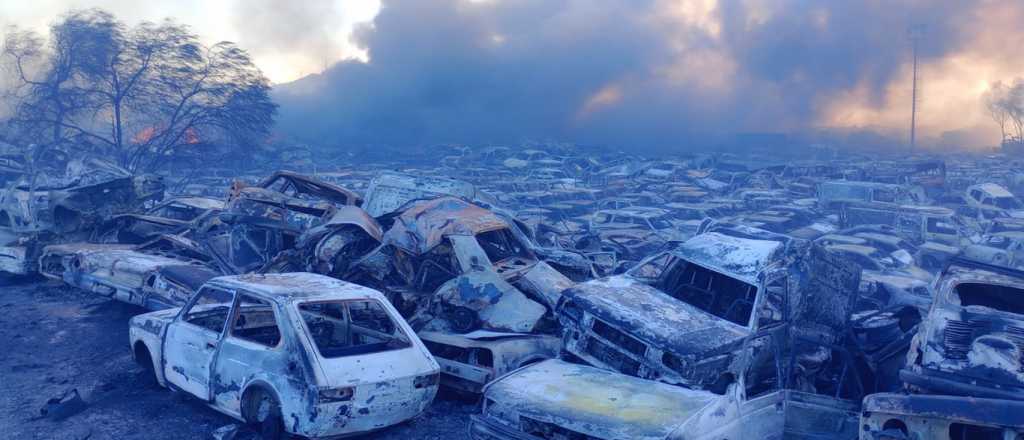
265,415
463,320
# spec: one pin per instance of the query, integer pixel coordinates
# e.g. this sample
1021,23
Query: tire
264,415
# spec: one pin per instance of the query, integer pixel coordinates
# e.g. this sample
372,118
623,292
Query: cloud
661,73
639,73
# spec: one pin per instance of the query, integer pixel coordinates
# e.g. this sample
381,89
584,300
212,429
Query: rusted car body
295,353
74,203
389,191
167,217
454,268
115,271
680,316
919,417
462,263
470,361
972,340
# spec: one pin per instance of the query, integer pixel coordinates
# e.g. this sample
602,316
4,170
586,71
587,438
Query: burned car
455,269
800,389
991,200
835,195
470,361
389,191
918,417
635,232
555,399
294,353
1000,248
167,217
462,263
680,316
87,194
122,272
972,340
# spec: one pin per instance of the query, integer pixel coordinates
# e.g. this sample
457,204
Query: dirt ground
57,338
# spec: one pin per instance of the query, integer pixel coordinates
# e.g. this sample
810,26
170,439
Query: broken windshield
1002,298
500,245
713,292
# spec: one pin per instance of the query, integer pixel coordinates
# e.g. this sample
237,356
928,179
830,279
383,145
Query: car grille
959,335
611,357
617,337
957,339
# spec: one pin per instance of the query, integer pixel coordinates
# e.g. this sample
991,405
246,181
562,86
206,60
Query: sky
287,39
660,73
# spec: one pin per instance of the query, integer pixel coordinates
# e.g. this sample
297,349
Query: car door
193,338
253,345
758,392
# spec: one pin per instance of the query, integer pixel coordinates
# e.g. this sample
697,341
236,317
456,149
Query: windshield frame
314,348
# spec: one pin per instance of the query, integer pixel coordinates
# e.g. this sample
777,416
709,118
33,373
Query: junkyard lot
57,338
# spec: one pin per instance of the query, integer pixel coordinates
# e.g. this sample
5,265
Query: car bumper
948,383
482,429
14,260
342,419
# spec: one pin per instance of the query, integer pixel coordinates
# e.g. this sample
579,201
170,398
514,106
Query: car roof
993,190
295,286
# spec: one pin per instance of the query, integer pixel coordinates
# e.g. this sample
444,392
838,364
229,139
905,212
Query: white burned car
299,353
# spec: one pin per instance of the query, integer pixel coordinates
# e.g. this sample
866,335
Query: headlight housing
343,394
426,380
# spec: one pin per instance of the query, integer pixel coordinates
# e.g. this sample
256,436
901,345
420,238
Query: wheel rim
264,408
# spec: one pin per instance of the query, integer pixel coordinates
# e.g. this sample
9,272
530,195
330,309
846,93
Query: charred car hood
592,401
154,322
653,316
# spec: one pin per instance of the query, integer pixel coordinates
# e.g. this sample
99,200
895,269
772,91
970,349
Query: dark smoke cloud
624,72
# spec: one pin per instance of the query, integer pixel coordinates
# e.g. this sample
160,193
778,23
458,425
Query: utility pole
916,32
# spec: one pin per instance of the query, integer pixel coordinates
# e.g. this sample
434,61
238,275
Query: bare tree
993,99
138,95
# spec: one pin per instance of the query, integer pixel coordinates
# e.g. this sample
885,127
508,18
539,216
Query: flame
146,134
143,136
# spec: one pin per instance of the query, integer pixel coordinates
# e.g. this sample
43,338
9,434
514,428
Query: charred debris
580,296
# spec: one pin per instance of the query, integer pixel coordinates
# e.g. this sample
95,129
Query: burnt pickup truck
295,353
972,341
679,317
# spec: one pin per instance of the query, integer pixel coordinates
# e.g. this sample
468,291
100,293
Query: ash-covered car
679,317
88,193
470,361
901,416
454,268
293,353
972,340
462,263
800,389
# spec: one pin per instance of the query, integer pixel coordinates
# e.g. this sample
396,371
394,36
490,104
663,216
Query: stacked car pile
583,296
